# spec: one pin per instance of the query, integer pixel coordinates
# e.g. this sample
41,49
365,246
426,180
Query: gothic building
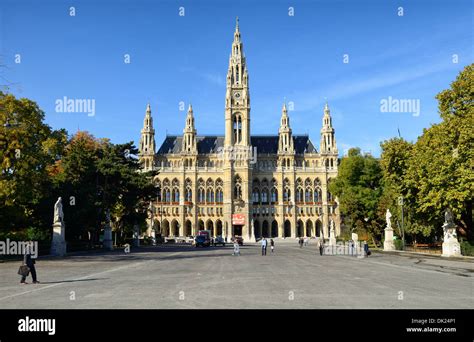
238,183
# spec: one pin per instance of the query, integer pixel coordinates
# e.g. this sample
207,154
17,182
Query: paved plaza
182,277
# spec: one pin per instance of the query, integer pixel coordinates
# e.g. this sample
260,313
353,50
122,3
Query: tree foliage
91,175
435,173
358,187
28,149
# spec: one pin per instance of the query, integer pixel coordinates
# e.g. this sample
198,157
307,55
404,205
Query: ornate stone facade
223,183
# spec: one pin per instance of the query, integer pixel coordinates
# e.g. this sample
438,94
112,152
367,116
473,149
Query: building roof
210,144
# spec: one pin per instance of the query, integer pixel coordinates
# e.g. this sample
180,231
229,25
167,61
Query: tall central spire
237,96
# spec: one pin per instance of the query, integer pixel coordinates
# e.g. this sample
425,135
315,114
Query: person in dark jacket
366,249
30,262
321,247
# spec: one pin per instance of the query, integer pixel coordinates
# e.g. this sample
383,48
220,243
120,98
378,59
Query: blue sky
185,58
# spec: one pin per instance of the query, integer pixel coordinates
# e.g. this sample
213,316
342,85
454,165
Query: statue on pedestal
449,227
388,244
451,245
252,231
58,243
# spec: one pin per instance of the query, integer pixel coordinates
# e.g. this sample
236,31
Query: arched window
219,195
201,195
308,195
237,123
175,195
318,195
274,195
299,195
210,195
167,195
264,195
255,197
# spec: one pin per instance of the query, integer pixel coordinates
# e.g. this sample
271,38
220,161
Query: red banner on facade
238,219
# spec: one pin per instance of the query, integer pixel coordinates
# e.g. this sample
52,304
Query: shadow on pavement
71,281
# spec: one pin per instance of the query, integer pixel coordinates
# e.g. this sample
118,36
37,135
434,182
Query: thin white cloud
350,87
213,78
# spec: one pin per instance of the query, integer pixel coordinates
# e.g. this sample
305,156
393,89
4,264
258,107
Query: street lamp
400,203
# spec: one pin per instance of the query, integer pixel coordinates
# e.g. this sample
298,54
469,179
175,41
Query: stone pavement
184,277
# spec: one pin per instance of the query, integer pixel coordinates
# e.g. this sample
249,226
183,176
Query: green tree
358,187
435,173
124,190
96,176
28,150
76,182
455,179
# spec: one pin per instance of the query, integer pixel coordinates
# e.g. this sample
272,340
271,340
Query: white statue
58,211
388,215
451,245
449,227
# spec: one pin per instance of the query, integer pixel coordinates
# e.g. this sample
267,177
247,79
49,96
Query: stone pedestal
388,244
451,248
108,243
332,237
58,244
252,238
451,245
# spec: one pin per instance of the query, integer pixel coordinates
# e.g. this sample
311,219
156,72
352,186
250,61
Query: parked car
218,240
239,239
201,241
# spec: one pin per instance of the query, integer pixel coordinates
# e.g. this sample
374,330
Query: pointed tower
189,134
147,142
237,101
285,141
328,139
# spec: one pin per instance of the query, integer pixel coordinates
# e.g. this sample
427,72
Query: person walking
30,262
306,241
301,242
264,246
366,249
236,248
272,244
321,247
